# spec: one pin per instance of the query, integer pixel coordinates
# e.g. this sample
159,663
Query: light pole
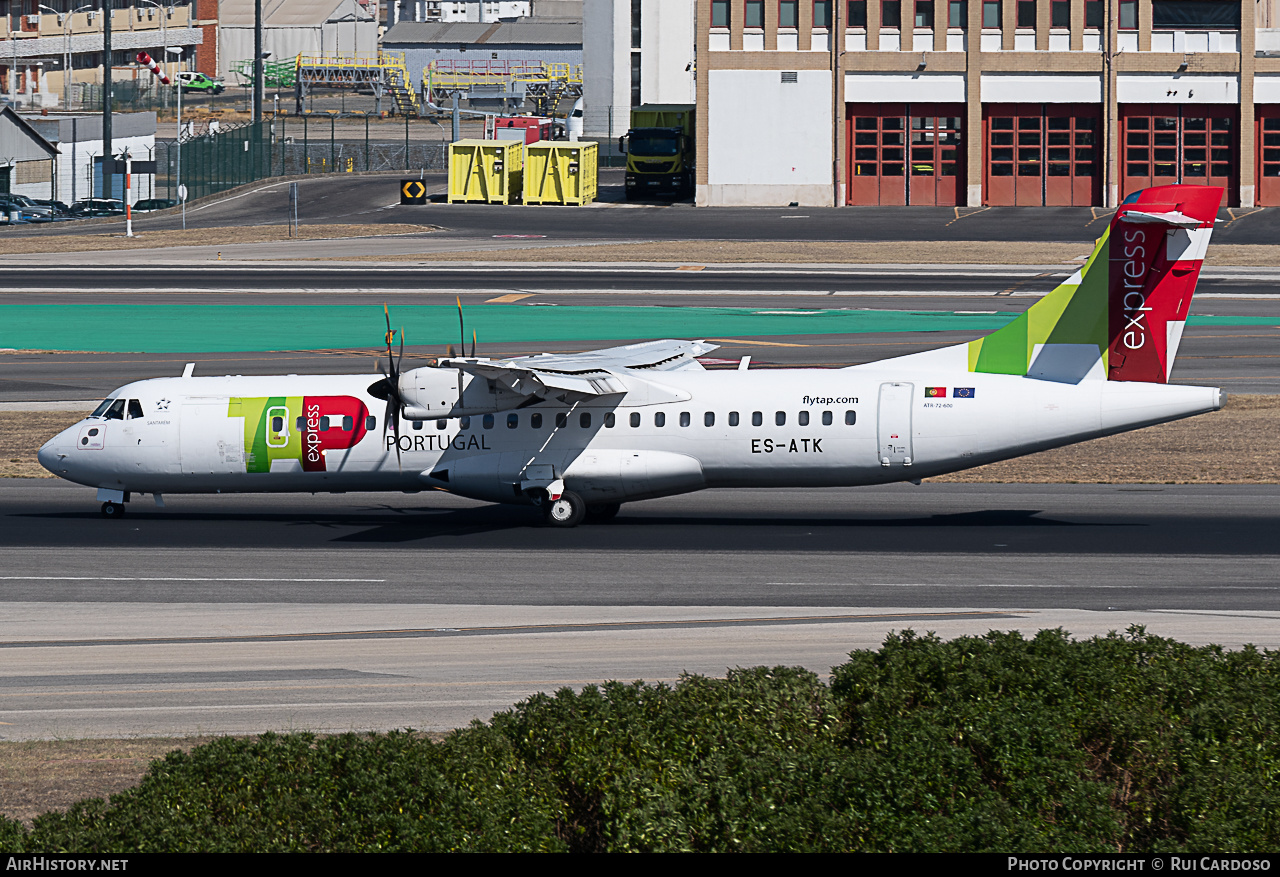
177,81
66,37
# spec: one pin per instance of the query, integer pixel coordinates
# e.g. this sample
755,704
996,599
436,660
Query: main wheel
567,511
599,514
112,509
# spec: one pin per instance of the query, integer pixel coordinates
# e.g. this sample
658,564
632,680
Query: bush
1120,743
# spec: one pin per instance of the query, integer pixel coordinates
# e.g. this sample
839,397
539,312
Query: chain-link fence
233,155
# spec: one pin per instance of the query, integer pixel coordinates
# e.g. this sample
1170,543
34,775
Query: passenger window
684,418
733,418
324,424
826,418
441,423
417,424
584,420
348,423
756,418
464,422
780,418
709,419
803,418
370,423
513,420
850,418
609,420
562,420
488,421
302,424
135,411
535,421
277,424
635,418
659,419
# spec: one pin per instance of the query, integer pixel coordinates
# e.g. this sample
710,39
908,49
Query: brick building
985,102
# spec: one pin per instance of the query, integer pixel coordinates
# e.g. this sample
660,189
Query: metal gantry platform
384,73
505,85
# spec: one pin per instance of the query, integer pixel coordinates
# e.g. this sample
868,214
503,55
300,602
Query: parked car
191,80
146,205
57,208
19,208
97,207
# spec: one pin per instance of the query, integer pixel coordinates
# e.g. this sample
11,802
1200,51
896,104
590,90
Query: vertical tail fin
1123,313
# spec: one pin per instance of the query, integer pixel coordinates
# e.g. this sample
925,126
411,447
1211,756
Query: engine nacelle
432,393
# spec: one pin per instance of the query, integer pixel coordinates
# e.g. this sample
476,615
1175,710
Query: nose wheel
113,510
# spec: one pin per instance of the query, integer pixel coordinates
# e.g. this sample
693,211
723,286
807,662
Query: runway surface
339,612
243,613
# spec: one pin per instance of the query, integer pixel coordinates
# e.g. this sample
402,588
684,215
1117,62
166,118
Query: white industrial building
54,156
297,27
634,52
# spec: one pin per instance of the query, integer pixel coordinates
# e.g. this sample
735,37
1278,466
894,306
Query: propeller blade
473,343
462,329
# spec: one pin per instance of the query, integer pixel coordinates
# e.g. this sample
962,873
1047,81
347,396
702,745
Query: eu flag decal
936,392
963,393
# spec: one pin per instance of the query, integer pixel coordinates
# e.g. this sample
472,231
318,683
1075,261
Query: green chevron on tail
1074,313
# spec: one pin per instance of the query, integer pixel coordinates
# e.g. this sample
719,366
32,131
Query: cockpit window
116,411
102,409
135,410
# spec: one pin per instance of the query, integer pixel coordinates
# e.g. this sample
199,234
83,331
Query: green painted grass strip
227,328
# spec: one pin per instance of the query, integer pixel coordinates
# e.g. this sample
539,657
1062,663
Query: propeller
389,387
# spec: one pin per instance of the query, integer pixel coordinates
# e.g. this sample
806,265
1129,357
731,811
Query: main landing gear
113,510
567,511
570,510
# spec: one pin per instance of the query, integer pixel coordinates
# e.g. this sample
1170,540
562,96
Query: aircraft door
209,441
894,424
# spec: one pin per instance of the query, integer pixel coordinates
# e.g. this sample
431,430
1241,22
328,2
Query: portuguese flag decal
935,392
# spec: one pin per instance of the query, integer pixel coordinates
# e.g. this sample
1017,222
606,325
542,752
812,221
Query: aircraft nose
53,453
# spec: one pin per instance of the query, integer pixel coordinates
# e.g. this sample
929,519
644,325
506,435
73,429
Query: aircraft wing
592,373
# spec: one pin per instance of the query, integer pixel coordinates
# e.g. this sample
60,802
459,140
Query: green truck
660,149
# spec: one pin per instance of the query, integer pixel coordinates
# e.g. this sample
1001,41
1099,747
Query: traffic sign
413,192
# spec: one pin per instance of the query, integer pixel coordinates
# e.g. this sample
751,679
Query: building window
924,13
991,14
958,13
754,14
719,13
1128,14
1093,14
891,13
789,13
635,79
635,24
1061,13
857,13
1183,15
1027,13
822,14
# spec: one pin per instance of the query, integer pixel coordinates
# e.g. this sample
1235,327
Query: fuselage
672,432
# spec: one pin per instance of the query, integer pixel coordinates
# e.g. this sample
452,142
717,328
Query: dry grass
814,252
41,775
200,237
1238,445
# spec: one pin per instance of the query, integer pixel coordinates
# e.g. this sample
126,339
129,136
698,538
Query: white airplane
580,434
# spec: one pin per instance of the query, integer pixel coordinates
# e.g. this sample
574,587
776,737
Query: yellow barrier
558,172
488,171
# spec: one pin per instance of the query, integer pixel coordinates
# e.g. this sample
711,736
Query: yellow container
489,171
558,172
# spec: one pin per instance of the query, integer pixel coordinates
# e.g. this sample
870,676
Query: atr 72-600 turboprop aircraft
580,434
